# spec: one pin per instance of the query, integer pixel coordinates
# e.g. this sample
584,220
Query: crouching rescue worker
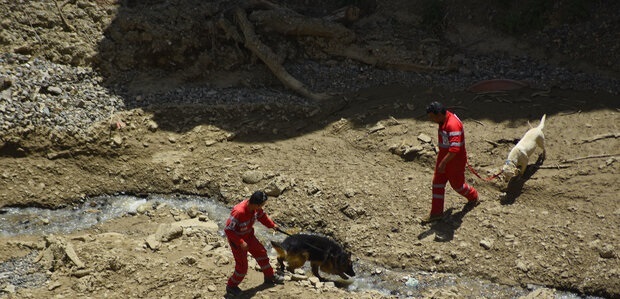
451,160
240,233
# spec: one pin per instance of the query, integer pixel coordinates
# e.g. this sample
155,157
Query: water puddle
37,221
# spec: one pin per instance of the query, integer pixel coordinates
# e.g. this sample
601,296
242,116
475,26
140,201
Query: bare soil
344,171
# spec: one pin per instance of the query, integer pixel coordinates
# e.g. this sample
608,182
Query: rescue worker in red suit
451,160
240,233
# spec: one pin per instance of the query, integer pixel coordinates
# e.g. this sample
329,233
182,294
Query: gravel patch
38,93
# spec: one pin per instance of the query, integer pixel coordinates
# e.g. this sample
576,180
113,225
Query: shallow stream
37,221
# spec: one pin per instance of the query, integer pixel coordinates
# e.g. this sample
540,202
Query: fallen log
264,53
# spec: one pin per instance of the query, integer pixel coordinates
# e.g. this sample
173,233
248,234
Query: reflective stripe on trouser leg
241,266
260,254
457,181
439,189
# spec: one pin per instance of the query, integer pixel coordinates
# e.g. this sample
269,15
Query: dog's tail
279,249
542,122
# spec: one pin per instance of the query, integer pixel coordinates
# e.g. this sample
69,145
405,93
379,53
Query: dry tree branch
230,30
557,166
253,43
62,16
601,136
589,157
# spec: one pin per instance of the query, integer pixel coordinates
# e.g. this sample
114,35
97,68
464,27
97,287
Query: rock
425,138
521,265
298,277
54,285
329,284
193,212
169,232
143,208
300,271
542,293
9,289
152,126
165,233
252,177
73,256
5,82
312,188
349,192
276,187
314,280
54,90
81,273
152,241
194,223
57,253
117,140
377,127
607,251
353,212
412,282
486,244
188,260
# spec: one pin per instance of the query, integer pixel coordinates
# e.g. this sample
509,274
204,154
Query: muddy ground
340,171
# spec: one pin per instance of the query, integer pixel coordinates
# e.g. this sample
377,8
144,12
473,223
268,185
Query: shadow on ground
445,228
157,46
515,185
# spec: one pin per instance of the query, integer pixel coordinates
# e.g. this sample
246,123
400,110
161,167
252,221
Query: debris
589,157
425,138
493,143
376,128
57,253
601,136
557,166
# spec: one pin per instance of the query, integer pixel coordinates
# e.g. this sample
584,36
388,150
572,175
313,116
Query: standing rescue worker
240,233
451,160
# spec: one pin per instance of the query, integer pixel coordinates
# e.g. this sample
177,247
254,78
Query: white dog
519,155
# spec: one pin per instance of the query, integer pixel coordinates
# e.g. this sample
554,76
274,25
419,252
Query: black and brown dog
322,252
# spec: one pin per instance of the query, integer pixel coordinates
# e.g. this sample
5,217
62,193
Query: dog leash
282,231
476,174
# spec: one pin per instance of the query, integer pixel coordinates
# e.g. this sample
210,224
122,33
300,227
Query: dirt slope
343,168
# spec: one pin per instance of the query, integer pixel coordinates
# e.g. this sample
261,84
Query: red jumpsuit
451,138
239,229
